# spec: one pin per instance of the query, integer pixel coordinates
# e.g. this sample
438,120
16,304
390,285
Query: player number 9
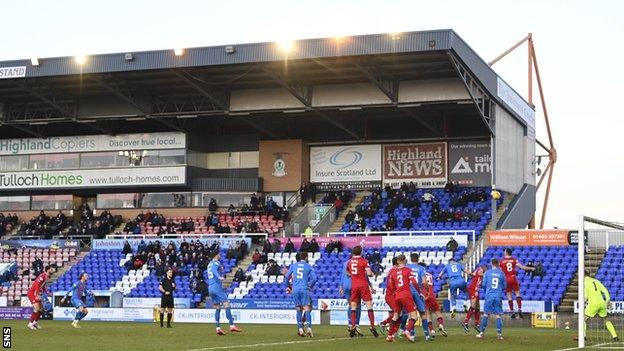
494,283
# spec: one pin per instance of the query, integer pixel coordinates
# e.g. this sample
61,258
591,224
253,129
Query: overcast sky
578,45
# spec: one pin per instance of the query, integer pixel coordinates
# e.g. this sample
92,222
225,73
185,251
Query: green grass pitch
118,336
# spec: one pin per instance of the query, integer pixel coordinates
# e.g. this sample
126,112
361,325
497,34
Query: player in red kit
358,269
38,286
508,265
432,305
400,280
473,295
389,298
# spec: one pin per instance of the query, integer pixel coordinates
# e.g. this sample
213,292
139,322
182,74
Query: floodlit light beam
34,61
80,59
285,45
178,51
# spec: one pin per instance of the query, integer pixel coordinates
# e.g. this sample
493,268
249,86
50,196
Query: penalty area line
267,344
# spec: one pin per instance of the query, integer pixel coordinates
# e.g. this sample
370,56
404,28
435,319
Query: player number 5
354,269
300,273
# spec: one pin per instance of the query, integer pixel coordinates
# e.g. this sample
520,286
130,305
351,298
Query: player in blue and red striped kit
78,293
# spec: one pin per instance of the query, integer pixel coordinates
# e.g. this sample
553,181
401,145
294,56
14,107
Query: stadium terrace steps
244,264
593,261
339,222
66,268
500,211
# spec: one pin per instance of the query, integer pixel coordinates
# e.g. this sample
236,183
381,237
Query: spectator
272,269
276,246
212,206
531,272
290,246
126,248
339,205
255,258
37,266
428,197
314,246
305,246
452,245
304,193
539,269
309,232
239,276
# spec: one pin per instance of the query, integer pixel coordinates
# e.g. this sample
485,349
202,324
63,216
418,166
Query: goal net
600,269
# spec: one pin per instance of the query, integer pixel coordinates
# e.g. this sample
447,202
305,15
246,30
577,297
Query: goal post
608,236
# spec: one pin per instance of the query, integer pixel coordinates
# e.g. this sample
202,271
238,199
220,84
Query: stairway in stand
593,260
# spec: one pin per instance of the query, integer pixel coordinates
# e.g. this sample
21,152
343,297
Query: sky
577,43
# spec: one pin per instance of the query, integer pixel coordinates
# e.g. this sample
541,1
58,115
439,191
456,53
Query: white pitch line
267,344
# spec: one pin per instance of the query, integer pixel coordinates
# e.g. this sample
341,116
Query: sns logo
6,337
345,158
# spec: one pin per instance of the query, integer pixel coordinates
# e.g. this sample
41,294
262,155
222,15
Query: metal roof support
220,102
259,127
95,127
419,119
125,96
51,102
481,99
338,124
388,86
552,151
24,129
300,92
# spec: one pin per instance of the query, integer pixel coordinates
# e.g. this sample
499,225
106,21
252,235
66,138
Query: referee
167,287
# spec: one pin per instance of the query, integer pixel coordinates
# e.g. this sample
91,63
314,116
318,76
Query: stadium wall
509,152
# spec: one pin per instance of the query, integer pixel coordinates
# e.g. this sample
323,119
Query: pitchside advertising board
182,315
93,143
470,163
94,178
613,308
118,244
353,166
548,237
424,164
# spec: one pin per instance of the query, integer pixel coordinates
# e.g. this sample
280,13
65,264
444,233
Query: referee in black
167,287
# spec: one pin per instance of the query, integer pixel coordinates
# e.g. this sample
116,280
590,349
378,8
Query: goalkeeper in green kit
597,300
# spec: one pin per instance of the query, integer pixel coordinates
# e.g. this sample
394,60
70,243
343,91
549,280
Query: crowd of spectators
96,226
160,257
44,226
7,223
339,199
393,198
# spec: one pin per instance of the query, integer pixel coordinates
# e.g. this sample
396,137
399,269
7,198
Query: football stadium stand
330,268
610,272
423,209
24,258
559,266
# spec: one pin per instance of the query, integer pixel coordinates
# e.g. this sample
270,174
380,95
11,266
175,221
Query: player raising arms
303,280
473,295
494,283
357,267
78,292
345,290
218,295
400,280
38,287
432,305
454,270
508,265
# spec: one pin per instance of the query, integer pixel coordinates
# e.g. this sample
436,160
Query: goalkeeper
597,300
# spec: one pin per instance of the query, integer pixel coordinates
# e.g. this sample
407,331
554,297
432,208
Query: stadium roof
121,92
